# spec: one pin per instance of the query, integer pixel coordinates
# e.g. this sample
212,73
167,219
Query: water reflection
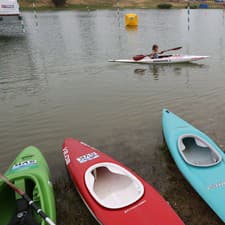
223,17
87,31
164,69
154,69
10,38
10,25
19,74
140,71
132,28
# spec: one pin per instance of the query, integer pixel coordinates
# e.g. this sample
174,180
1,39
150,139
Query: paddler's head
155,48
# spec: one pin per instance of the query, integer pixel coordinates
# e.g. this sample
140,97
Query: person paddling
155,52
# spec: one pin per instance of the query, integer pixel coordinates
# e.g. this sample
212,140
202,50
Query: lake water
56,82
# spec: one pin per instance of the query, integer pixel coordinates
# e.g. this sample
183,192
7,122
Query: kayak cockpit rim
196,151
112,186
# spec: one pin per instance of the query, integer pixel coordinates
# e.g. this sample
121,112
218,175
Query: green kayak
30,173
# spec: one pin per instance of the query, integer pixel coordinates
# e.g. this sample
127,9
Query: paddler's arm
151,55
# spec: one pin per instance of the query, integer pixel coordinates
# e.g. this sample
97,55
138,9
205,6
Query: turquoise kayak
198,158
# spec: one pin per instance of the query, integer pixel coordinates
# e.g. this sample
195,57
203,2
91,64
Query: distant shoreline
85,7
92,5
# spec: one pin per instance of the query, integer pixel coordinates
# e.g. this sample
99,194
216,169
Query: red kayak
113,193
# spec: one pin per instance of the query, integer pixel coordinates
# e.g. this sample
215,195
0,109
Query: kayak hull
29,172
147,210
167,60
208,181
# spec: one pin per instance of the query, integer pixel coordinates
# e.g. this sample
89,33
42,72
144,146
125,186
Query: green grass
69,206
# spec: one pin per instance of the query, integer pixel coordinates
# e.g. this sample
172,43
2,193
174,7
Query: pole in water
118,12
22,25
223,12
188,12
35,13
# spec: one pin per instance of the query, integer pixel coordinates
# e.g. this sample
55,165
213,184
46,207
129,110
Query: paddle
28,199
139,57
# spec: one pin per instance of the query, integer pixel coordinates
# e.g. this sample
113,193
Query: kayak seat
112,186
197,152
23,214
164,56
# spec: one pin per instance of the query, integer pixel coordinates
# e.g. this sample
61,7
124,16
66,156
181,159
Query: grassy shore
106,4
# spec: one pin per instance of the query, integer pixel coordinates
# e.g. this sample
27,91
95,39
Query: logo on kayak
87,157
217,185
7,6
66,155
24,164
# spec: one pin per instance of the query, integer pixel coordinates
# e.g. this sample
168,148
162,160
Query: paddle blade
171,49
5,179
177,48
138,57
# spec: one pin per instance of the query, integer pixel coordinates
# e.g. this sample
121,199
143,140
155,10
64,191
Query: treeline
164,5
59,3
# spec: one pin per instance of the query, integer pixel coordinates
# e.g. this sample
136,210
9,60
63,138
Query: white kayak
164,60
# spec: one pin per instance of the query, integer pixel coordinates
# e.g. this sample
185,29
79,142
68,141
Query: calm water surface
55,82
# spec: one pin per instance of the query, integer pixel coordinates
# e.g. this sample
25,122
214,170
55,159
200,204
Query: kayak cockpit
197,151
112,186
14,210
